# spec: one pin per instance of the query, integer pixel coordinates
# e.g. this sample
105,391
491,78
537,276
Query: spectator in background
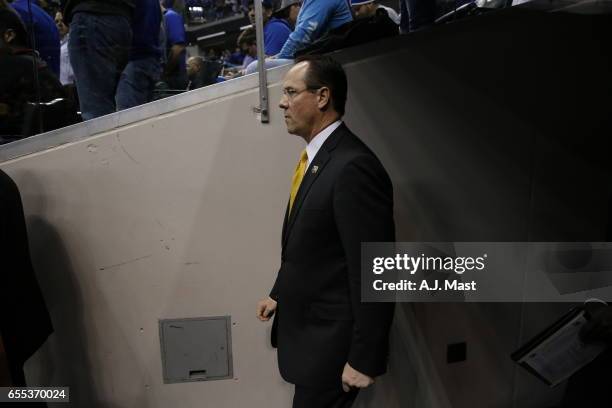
195,65
175,71
247,41
315,19
417,14
202,73
251,13
99,44
231,6
289,11
143,69
213,54
18,84
46,35
66,74
235,58
219,9
369,8
276,30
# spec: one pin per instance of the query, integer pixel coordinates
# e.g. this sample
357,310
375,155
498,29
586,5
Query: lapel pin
315,169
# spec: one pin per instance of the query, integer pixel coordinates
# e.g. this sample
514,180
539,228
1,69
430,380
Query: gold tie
300,169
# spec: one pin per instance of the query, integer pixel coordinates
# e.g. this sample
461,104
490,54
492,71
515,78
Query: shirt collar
315,144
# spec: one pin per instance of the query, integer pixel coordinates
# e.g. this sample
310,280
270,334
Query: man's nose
283,102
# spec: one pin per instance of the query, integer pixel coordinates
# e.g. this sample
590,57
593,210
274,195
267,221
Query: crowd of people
101,56
206,11
292,26
113,52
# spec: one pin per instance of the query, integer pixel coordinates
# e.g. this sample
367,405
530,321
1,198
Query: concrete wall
493,129
175,216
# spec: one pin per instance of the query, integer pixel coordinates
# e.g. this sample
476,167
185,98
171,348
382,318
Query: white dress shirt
66,73
315,144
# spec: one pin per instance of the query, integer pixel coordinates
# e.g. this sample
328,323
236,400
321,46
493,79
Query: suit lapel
285,221
313,171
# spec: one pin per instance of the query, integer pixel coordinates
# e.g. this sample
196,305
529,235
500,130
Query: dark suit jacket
345,198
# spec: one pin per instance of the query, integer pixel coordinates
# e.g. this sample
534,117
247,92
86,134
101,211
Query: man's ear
324,98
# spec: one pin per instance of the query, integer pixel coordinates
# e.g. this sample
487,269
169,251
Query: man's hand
353,378
265,309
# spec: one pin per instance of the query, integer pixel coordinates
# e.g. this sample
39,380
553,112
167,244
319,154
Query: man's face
364,10
59,22
192,67
266,14
252,14
300,105
252,50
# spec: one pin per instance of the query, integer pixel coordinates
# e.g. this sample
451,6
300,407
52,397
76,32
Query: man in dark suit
330,344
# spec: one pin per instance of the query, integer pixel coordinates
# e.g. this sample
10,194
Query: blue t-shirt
315,19
276,32
175,34
236,58
145,27
46,35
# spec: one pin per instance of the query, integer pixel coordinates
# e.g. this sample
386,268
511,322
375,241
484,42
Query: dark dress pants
309,397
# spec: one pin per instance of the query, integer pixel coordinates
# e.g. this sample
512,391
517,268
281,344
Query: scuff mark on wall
103,268
125,151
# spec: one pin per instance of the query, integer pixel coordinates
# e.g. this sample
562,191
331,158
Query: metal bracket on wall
264,103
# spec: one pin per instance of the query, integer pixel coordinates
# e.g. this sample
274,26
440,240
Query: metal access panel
196,349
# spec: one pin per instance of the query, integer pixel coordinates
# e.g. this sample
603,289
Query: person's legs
137,82
308,397
421,14
98,47
404,19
